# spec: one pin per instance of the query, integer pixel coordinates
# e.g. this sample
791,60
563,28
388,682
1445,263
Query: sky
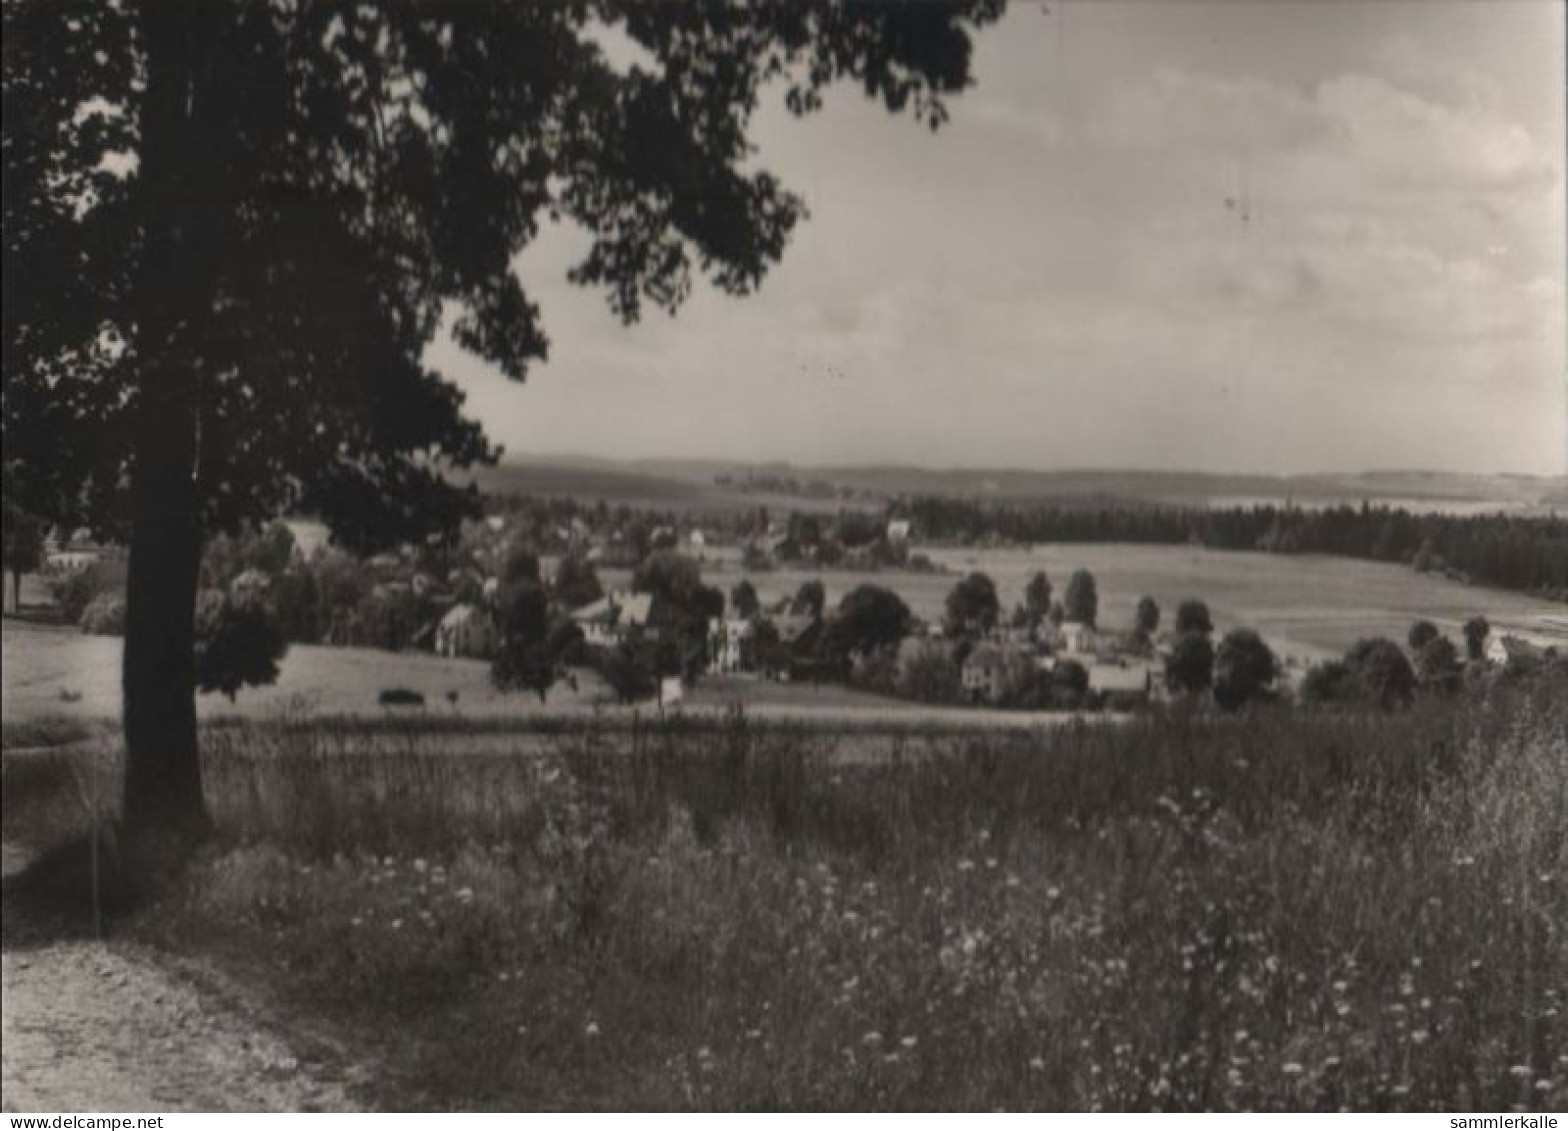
1222,235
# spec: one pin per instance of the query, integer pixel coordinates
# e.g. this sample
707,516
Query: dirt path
93,1026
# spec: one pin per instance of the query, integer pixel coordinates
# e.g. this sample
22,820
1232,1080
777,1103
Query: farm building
465,631
984,672
1122,684
605,622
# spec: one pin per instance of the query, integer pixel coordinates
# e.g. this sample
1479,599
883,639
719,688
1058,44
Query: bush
104,615
238,644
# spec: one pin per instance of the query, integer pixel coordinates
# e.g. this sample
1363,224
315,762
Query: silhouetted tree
1382,672
1477,629
1331,681
1037,597
24,548
972,607
243,223
1244,669
577,582
1192,615
238,644
1190,666
743,599
1422,632
810,598
1082,600
1148,616
869,618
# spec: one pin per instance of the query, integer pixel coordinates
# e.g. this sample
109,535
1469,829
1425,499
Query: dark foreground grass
1284,910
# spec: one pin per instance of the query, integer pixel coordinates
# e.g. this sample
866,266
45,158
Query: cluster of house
1121,670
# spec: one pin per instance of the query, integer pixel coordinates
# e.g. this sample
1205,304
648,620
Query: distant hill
723,485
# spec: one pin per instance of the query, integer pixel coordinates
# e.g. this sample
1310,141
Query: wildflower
909,1042
464,894
1053,893
704,1053
591,1029
1037,1062
397,924
871,1038
966,865
1520,1070
1291,1068
1419,1037
420,866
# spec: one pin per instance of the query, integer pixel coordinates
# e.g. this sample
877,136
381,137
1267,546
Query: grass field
42,661
1309,606
1282,910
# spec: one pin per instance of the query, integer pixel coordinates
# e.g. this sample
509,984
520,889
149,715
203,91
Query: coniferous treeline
1527,554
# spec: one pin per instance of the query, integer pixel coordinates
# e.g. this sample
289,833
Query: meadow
1283,909
1307,606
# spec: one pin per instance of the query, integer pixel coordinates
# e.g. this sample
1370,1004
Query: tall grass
1284,910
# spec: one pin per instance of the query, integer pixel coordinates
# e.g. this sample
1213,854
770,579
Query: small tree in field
1189,668
1148,617
238,644
1082,601
1244,669
1037,598
24,548
1422,633
1477,629
972,607
1192,615
1382,672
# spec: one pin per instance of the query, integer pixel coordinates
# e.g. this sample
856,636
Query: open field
1307,606
1281,910
42,661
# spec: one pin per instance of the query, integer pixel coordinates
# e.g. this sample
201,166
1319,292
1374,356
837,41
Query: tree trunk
163,794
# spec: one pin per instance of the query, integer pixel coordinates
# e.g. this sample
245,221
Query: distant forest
1526,554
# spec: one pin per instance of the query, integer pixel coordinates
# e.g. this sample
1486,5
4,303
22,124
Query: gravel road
95,1026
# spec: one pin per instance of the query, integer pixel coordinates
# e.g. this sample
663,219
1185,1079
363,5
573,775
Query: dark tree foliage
1477,629
1190,666
532,647
1330,682
1382,673
242,223
1148,616
1192,615
972,607
810,599
682,607
1437,665
238,644
1245,669
1082,599
870,618
1422,633
24,548
743,600
577,582
1037,597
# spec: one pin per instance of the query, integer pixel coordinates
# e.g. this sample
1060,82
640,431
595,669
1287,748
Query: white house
605,622
728,644
897,531
1078,638
465,631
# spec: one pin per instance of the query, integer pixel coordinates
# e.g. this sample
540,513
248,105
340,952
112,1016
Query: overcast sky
1221,234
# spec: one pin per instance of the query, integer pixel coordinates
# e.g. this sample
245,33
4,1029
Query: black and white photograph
785,556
